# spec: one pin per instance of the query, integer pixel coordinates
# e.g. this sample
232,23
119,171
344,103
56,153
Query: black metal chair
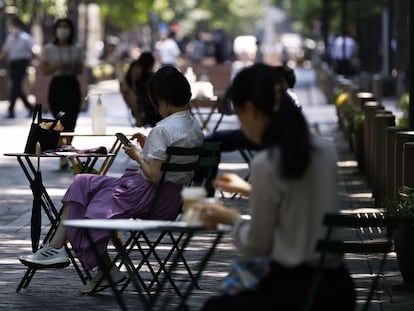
155,250
379,244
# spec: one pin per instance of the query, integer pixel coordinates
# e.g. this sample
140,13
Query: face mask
62,33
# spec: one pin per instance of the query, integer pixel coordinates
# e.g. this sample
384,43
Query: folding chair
135,239
147,245
366,224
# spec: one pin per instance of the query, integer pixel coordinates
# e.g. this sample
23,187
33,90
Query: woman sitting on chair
105,197
293,185
134,90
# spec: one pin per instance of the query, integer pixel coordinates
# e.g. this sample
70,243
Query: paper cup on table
192,195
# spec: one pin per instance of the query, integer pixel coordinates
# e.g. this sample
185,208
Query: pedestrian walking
17,49
344,55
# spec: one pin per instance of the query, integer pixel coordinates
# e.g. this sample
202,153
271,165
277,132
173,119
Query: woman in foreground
293,184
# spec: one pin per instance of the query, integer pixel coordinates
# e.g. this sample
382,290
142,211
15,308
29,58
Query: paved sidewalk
59,289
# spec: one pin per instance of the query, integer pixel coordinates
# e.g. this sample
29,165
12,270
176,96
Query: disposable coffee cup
192,195
192,216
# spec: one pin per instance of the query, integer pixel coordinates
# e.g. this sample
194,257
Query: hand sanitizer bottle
99,117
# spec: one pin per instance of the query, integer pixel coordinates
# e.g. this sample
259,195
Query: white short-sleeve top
179,130
71,54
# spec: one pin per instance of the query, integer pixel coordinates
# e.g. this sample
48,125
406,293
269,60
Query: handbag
44,131
245,275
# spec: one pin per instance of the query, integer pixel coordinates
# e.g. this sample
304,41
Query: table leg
53,215
202,266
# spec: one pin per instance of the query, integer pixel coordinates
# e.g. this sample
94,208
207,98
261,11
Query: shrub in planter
403,104
400,212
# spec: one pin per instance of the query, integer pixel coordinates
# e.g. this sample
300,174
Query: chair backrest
169,165
335,243
209,157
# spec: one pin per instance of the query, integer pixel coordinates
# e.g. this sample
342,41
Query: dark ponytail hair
265,87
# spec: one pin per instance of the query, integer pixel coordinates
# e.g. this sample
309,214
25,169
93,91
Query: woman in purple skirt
104,197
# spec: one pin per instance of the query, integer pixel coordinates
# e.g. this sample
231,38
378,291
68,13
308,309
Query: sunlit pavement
59,289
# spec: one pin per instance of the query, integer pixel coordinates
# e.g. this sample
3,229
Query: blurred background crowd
297,33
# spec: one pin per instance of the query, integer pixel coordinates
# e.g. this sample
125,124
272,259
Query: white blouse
72,54
286,216
180,130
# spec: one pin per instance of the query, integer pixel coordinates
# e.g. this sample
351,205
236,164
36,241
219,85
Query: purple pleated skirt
103,197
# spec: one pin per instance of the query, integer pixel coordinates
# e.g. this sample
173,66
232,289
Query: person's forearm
245,190
152,173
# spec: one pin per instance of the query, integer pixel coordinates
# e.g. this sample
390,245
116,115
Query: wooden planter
357,139
404,247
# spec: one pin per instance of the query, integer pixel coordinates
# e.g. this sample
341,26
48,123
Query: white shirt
72,54
180,130
18,46
286,216
168,51
338,50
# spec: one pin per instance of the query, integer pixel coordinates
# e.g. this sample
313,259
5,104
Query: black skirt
288,289
65,95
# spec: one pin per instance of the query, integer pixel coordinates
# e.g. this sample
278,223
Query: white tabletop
125,224
136,225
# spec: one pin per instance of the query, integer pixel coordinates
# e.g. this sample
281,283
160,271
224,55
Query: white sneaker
99,283
46,257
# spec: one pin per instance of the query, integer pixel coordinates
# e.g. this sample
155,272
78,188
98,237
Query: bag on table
245,275
44,131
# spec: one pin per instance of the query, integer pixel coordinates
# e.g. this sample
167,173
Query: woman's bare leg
59,238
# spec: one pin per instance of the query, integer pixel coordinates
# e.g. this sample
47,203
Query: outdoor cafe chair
372,238
148,250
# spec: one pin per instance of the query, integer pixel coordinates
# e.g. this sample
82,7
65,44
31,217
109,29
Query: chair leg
85,275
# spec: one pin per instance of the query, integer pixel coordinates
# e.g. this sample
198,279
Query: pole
411,63
343,25
2,23
325,29
385,41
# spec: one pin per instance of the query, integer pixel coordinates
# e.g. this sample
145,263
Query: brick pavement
59,289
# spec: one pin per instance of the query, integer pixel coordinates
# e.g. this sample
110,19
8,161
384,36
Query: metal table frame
47,205
118,225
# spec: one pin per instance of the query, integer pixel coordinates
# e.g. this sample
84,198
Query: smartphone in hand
123,138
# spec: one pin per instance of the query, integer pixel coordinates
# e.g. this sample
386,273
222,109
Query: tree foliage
304,13
234,16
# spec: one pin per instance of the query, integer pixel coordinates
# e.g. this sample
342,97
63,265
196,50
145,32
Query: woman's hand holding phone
132,150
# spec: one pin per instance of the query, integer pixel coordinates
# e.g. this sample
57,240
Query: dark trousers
344,67
65,95
17,73
288,289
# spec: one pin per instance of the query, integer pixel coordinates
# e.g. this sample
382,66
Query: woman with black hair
106,197
134,90
293,184
63,59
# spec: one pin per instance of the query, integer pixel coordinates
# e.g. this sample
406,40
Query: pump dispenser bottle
99,117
